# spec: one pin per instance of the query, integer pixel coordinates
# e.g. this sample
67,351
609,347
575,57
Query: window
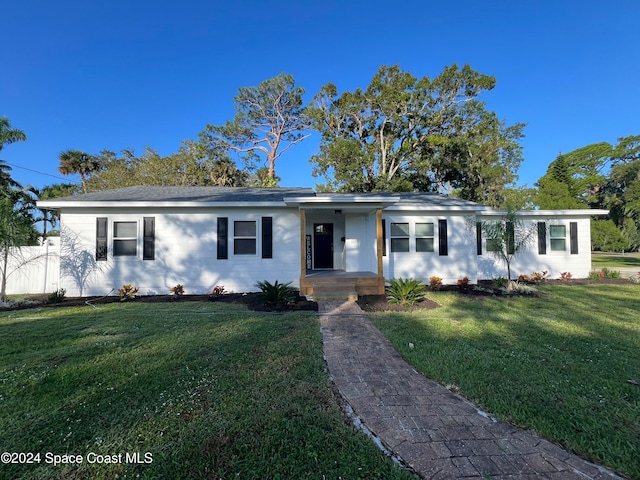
399,237
424,237
125,239
244,237
558,236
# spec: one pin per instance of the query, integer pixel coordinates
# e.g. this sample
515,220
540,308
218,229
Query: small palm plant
406,292
276,294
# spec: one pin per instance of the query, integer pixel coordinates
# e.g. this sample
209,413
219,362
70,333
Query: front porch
331,283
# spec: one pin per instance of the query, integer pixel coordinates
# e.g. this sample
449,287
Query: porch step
335,289
342,285
332,294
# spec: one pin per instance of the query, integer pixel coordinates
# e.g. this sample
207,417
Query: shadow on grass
206,390
558,365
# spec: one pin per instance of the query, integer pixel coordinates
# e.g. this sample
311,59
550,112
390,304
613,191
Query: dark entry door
323,245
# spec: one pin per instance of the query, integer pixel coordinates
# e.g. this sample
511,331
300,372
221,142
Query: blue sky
128,74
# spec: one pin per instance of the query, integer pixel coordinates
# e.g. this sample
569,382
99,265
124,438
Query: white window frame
404,236
557,238
253,237
115,239
431,237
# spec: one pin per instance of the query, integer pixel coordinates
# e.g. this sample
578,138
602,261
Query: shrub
524,278
596,275
57,296
500,282
127,292
406,292
463,282
537,277
276,294
177,291
435,282
217,291
566,276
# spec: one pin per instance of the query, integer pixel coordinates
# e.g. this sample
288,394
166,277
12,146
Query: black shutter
149,239
101,239
479,238
384,237
573,237
542,238
443,247
223,241
267,237
511,238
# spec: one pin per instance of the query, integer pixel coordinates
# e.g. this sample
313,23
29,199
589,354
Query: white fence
34,269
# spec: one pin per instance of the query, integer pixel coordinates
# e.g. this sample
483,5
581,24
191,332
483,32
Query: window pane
558,231
124,248
244,246
424,245
244,229
399,244
125,229
558,245
424,229
399,229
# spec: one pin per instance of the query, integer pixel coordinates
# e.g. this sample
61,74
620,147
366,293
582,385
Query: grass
599,260
203,390
558,365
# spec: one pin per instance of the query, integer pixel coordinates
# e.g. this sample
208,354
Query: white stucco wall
461,258
185,252
554,262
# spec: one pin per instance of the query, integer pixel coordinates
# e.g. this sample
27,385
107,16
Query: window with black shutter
149,239
267,237
443,247
223,238
573,237
542,238
101,239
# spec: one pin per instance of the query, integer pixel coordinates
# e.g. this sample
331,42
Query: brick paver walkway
435,432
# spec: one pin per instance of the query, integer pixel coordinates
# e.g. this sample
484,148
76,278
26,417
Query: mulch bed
249,299
368,303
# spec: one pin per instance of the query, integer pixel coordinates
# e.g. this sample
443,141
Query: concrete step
326,293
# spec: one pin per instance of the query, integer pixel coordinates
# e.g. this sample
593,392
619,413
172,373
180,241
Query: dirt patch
251,300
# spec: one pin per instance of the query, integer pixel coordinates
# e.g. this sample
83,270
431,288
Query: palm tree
76,161
9,135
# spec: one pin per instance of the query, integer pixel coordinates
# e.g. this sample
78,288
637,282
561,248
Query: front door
323,245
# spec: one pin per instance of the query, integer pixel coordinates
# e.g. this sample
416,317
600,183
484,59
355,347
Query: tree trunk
3,291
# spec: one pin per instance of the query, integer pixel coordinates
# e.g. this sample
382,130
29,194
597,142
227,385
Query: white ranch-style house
202,237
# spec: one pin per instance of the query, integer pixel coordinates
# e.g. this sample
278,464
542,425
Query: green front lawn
600,260
558,365
199,390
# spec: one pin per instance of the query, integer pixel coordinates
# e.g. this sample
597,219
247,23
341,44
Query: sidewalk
437,433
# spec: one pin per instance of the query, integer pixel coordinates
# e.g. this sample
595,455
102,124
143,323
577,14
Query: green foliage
276,294
8,134
510,235
127,292
270,119
404,133
406,292
500,282
606,237
57,296
80,163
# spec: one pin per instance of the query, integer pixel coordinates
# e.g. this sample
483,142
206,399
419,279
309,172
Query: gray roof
187,194
247,195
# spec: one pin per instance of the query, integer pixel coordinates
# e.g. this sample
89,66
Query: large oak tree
404,133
